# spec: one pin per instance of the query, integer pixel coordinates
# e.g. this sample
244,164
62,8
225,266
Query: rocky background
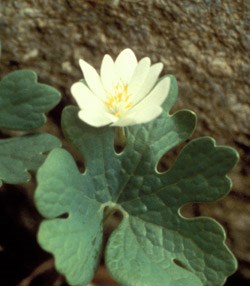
204,43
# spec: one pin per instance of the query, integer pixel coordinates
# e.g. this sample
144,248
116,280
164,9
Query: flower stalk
120,138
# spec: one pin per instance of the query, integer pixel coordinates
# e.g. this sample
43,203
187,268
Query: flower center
118,101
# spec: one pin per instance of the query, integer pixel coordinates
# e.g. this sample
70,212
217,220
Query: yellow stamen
118,114
118,101
128,105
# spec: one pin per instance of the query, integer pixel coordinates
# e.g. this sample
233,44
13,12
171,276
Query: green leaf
185,251
75,240
19,155
23,101
154,244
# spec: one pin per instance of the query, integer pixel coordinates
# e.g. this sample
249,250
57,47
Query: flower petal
148,83
125,65
108,73
96,119
85,98
156,97
139,76
143,116
93,79
150,80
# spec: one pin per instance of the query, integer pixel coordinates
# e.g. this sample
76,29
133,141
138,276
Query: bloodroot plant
154,244
23,102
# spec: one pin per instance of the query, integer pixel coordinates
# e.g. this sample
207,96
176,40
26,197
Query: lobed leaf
19,155
75,240
175,245
23,101
154,244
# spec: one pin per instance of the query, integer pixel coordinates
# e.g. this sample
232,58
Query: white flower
124,94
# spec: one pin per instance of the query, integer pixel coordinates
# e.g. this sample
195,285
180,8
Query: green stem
108,213
120,137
